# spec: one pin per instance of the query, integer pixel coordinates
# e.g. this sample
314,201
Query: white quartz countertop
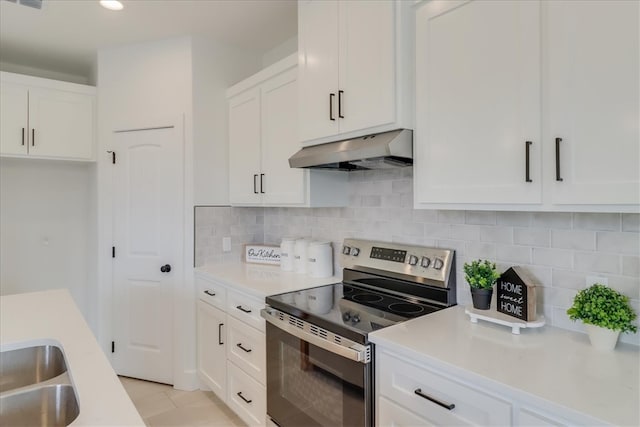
261,280
51,317
549,363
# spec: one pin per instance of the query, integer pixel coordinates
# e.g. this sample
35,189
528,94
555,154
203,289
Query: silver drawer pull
246,350
243,309
210,293
446,405
243,398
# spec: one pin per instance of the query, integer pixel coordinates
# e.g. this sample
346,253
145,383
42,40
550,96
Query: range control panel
422,261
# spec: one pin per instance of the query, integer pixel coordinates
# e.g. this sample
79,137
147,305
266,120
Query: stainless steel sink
50,405
31,365
35,389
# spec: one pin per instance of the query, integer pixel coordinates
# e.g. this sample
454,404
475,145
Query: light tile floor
161,405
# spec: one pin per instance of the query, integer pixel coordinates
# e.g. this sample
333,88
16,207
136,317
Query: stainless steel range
320,363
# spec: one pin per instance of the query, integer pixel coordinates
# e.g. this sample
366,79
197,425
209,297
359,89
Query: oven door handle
348,349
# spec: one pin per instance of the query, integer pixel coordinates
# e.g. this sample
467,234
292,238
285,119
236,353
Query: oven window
310,386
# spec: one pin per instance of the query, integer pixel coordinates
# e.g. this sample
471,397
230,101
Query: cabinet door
61,124
244,148
281,184
367,64
318,68
13,118
211,348
477,102
592,101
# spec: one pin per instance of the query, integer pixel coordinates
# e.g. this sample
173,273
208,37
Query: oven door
309,384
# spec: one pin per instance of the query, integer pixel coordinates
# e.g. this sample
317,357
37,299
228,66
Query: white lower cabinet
436,399
412,392
232,349
246,396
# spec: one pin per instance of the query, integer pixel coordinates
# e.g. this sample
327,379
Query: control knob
346,250
355,251
413,260
355,318
425,262
438,263
346,316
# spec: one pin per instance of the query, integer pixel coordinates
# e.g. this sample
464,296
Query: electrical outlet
226,244
590,280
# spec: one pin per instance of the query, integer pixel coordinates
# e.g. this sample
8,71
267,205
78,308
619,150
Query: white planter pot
602,339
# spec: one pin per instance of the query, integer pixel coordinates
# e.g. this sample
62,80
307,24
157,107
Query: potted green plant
605,313
481,276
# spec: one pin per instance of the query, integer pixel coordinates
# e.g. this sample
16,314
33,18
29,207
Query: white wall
46,74
279,52
46,228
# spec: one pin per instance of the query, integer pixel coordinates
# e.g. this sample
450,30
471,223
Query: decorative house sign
516,294
262,254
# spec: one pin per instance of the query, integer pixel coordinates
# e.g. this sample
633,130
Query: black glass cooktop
349,310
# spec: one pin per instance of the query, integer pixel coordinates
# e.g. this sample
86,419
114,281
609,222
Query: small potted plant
605,313
481,276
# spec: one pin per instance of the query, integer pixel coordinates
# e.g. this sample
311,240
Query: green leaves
602,306
481,274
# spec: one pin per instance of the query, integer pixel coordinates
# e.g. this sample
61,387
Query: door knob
165,268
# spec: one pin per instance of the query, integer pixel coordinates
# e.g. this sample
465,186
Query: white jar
300,256
287,247
320,259
320,300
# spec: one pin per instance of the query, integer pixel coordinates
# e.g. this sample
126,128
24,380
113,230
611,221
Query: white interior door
592,101
148,231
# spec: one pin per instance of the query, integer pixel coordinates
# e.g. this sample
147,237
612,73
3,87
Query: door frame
184,336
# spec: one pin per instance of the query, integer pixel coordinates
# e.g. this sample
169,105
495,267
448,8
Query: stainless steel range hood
379,151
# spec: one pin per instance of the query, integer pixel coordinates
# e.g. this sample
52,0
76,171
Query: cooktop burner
367,298
404,308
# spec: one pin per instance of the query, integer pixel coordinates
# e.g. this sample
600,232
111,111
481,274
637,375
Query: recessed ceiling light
111,4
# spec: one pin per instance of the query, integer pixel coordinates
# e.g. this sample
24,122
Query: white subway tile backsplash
532,237
573,239
496,234
596,221
626,243
480,217
559,249
515,254
631,222
631,266
518,219
596,262
552,220
553,257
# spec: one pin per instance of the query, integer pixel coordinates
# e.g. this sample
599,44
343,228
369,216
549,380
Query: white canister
320,259
300,256
287,248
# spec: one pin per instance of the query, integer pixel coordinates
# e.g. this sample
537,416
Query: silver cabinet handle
446,405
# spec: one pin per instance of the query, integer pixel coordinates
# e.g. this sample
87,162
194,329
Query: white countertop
261,280
549,363
51,317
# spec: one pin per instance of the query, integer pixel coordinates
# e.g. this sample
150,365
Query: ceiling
65,35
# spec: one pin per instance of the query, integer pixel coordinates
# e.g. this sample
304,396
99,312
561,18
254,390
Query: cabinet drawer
246,347
403,382
211,292
246,309
393,415
246,396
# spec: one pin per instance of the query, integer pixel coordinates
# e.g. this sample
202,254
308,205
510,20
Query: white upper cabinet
478,102
263,134
592,104
46,119
244,148
354,68
528,105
